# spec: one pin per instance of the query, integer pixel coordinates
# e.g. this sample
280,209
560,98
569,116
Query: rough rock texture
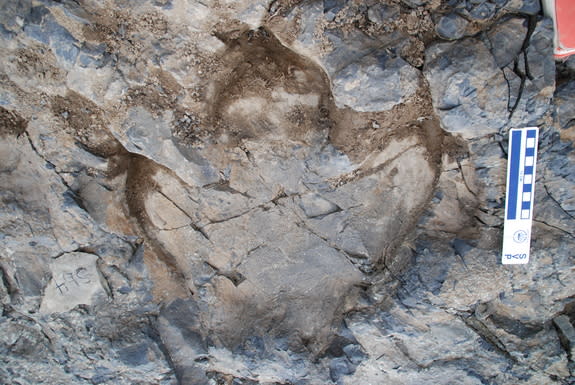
280,192
451,27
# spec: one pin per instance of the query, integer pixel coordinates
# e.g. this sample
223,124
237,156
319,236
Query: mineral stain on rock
284,192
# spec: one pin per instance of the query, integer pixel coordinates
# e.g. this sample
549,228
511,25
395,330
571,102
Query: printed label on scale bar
522,159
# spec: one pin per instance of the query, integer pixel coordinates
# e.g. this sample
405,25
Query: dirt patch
282,7
133,175
158,95
266,85
121,32
151,97
85,121
385,21
11,124
361,133
413,52
169,282
105,26
187,128
139,183
112,25
36,63
153,22
407,31
455,147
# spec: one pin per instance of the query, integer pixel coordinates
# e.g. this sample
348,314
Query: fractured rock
506,40
250,192
468,90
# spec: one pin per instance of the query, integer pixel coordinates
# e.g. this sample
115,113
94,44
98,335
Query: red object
563,14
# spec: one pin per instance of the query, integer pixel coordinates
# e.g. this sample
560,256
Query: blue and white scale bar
520,189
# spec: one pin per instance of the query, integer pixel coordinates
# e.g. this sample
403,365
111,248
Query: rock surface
451,27
280,192
75,281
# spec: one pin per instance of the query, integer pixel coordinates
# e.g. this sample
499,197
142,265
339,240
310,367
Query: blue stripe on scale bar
514,174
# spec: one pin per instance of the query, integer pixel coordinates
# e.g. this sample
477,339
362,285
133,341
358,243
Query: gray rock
314,206
414,3
94,56
144,134
380,13
506,40
14,13
361,80
223,207
75,281
451,27
540,77
42,27
135,355
461,247
354,353
459,76
566,332
565,104
178,328
375,83
62,42
339,367
540,45
483,11
528,7
34,20
102,375
568,64
332,7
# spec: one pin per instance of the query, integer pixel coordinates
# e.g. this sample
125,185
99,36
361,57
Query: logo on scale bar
520,236
516,256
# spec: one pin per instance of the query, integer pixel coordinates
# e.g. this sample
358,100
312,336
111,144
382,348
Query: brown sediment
11,123
86,122
169,282
260,67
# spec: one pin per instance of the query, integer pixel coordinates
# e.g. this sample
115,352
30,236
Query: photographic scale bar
522,159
